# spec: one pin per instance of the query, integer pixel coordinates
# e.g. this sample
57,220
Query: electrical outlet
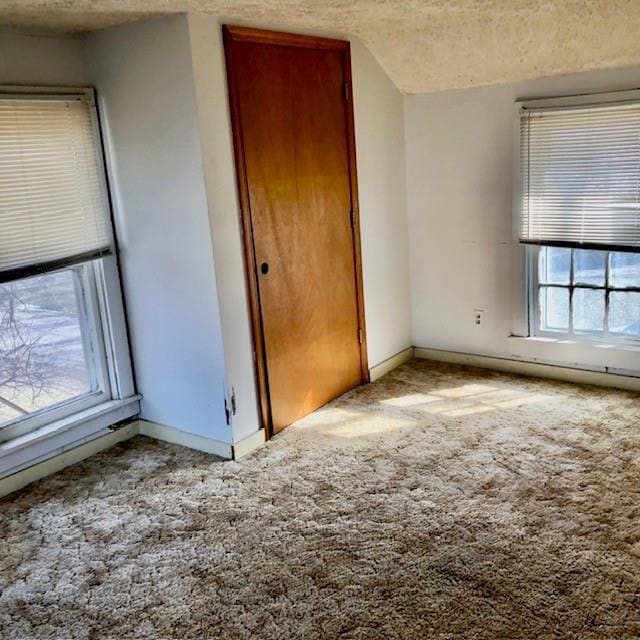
478,317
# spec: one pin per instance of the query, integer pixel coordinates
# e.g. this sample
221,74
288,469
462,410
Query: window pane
42,354
588,310
589,267
624,269
554,309
555,265
624,313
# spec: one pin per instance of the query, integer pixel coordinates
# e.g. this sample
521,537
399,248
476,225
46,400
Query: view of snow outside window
590,293
42,357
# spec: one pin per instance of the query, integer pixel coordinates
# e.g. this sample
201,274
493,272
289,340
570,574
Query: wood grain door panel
292,111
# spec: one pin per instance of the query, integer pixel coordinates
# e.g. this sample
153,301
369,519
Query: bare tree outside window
42,359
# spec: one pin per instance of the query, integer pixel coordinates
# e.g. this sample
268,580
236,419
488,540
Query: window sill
63,434
621,359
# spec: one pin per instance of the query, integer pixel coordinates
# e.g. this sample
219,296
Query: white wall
460,172
41,60
163,99
380,154
212,102
379,118
144,79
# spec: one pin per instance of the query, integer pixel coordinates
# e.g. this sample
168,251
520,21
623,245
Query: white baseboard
189,440
535,369
247,445
379,370
21,479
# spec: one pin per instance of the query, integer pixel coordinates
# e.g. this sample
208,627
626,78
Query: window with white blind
57,263
579,205
53,201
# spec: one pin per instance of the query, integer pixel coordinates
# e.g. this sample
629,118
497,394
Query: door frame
234,34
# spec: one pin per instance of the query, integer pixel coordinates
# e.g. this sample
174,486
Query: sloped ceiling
424,45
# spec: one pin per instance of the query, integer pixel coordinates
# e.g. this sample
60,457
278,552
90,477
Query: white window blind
580,176
53,203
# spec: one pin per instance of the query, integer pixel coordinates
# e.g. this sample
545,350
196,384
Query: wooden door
293,134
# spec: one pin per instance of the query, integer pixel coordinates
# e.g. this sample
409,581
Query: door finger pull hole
264,268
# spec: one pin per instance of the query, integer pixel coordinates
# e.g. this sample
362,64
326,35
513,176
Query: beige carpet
440,502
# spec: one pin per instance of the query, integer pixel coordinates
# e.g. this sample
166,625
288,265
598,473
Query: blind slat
580,176
53,201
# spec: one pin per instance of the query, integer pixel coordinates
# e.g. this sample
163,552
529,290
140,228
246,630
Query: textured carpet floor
439,502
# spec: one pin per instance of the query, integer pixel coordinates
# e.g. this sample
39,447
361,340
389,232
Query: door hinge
360,337
352,218
346,90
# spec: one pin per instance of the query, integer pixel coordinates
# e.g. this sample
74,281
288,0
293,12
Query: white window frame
525,266
101,284
92,335
601,356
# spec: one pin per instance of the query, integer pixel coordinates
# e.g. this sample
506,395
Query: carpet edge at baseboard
534,369
190,440
382,368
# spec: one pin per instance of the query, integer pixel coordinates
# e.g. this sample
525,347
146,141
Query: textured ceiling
424,45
